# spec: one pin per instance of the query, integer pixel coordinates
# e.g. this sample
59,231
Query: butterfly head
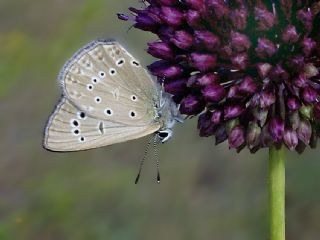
164,135
168,113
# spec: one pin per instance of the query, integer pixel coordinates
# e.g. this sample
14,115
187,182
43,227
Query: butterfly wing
107,98
106,82
70,129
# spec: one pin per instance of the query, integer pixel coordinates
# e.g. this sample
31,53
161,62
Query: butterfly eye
102,74
90,87
108,111
163,134
112,72
134,98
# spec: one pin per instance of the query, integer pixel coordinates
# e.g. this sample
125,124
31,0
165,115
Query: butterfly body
107,98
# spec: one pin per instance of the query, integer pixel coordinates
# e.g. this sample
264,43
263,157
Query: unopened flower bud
202,61
236,137
265,48
182,39
304,131
306,111
290,138
171,16
253,135
213,93
191,105
276,129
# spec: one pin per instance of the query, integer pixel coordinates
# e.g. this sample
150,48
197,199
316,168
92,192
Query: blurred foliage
207,192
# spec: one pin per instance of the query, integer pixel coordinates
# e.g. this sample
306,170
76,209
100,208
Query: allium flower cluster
249,69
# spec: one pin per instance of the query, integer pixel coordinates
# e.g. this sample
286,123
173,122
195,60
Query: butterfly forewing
107,98
71,129
105,81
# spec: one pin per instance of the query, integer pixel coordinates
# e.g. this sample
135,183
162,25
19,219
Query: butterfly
107,98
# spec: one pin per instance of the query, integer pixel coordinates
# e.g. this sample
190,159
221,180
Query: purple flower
250,68
216,117
267,99
203,80
194,19
232,111
171,16
213,93
164,69
205,125
304,131
182,39
206,40
236,137
308,45
248,85
290,34
265,19
253,135
176,86
240,61
276,129
191,105
161,50
290,138
293,103
202,61
240,42
263,70
265,48
309,95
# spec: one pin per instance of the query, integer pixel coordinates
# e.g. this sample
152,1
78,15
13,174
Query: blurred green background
206,192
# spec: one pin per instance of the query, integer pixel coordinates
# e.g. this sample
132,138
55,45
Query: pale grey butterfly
107,98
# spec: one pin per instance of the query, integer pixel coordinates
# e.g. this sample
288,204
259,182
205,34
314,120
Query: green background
207,192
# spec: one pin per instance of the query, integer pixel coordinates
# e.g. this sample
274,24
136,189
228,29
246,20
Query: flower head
250,68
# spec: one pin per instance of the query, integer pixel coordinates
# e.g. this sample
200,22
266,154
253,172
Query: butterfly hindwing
105,81
71,129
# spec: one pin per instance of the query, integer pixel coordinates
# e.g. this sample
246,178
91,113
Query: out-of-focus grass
206,192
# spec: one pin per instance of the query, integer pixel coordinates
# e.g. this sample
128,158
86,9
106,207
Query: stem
277,193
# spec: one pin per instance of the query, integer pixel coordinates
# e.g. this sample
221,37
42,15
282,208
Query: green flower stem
277,193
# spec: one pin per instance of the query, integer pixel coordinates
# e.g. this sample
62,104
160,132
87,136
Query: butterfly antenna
130,28
143,160
155,148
